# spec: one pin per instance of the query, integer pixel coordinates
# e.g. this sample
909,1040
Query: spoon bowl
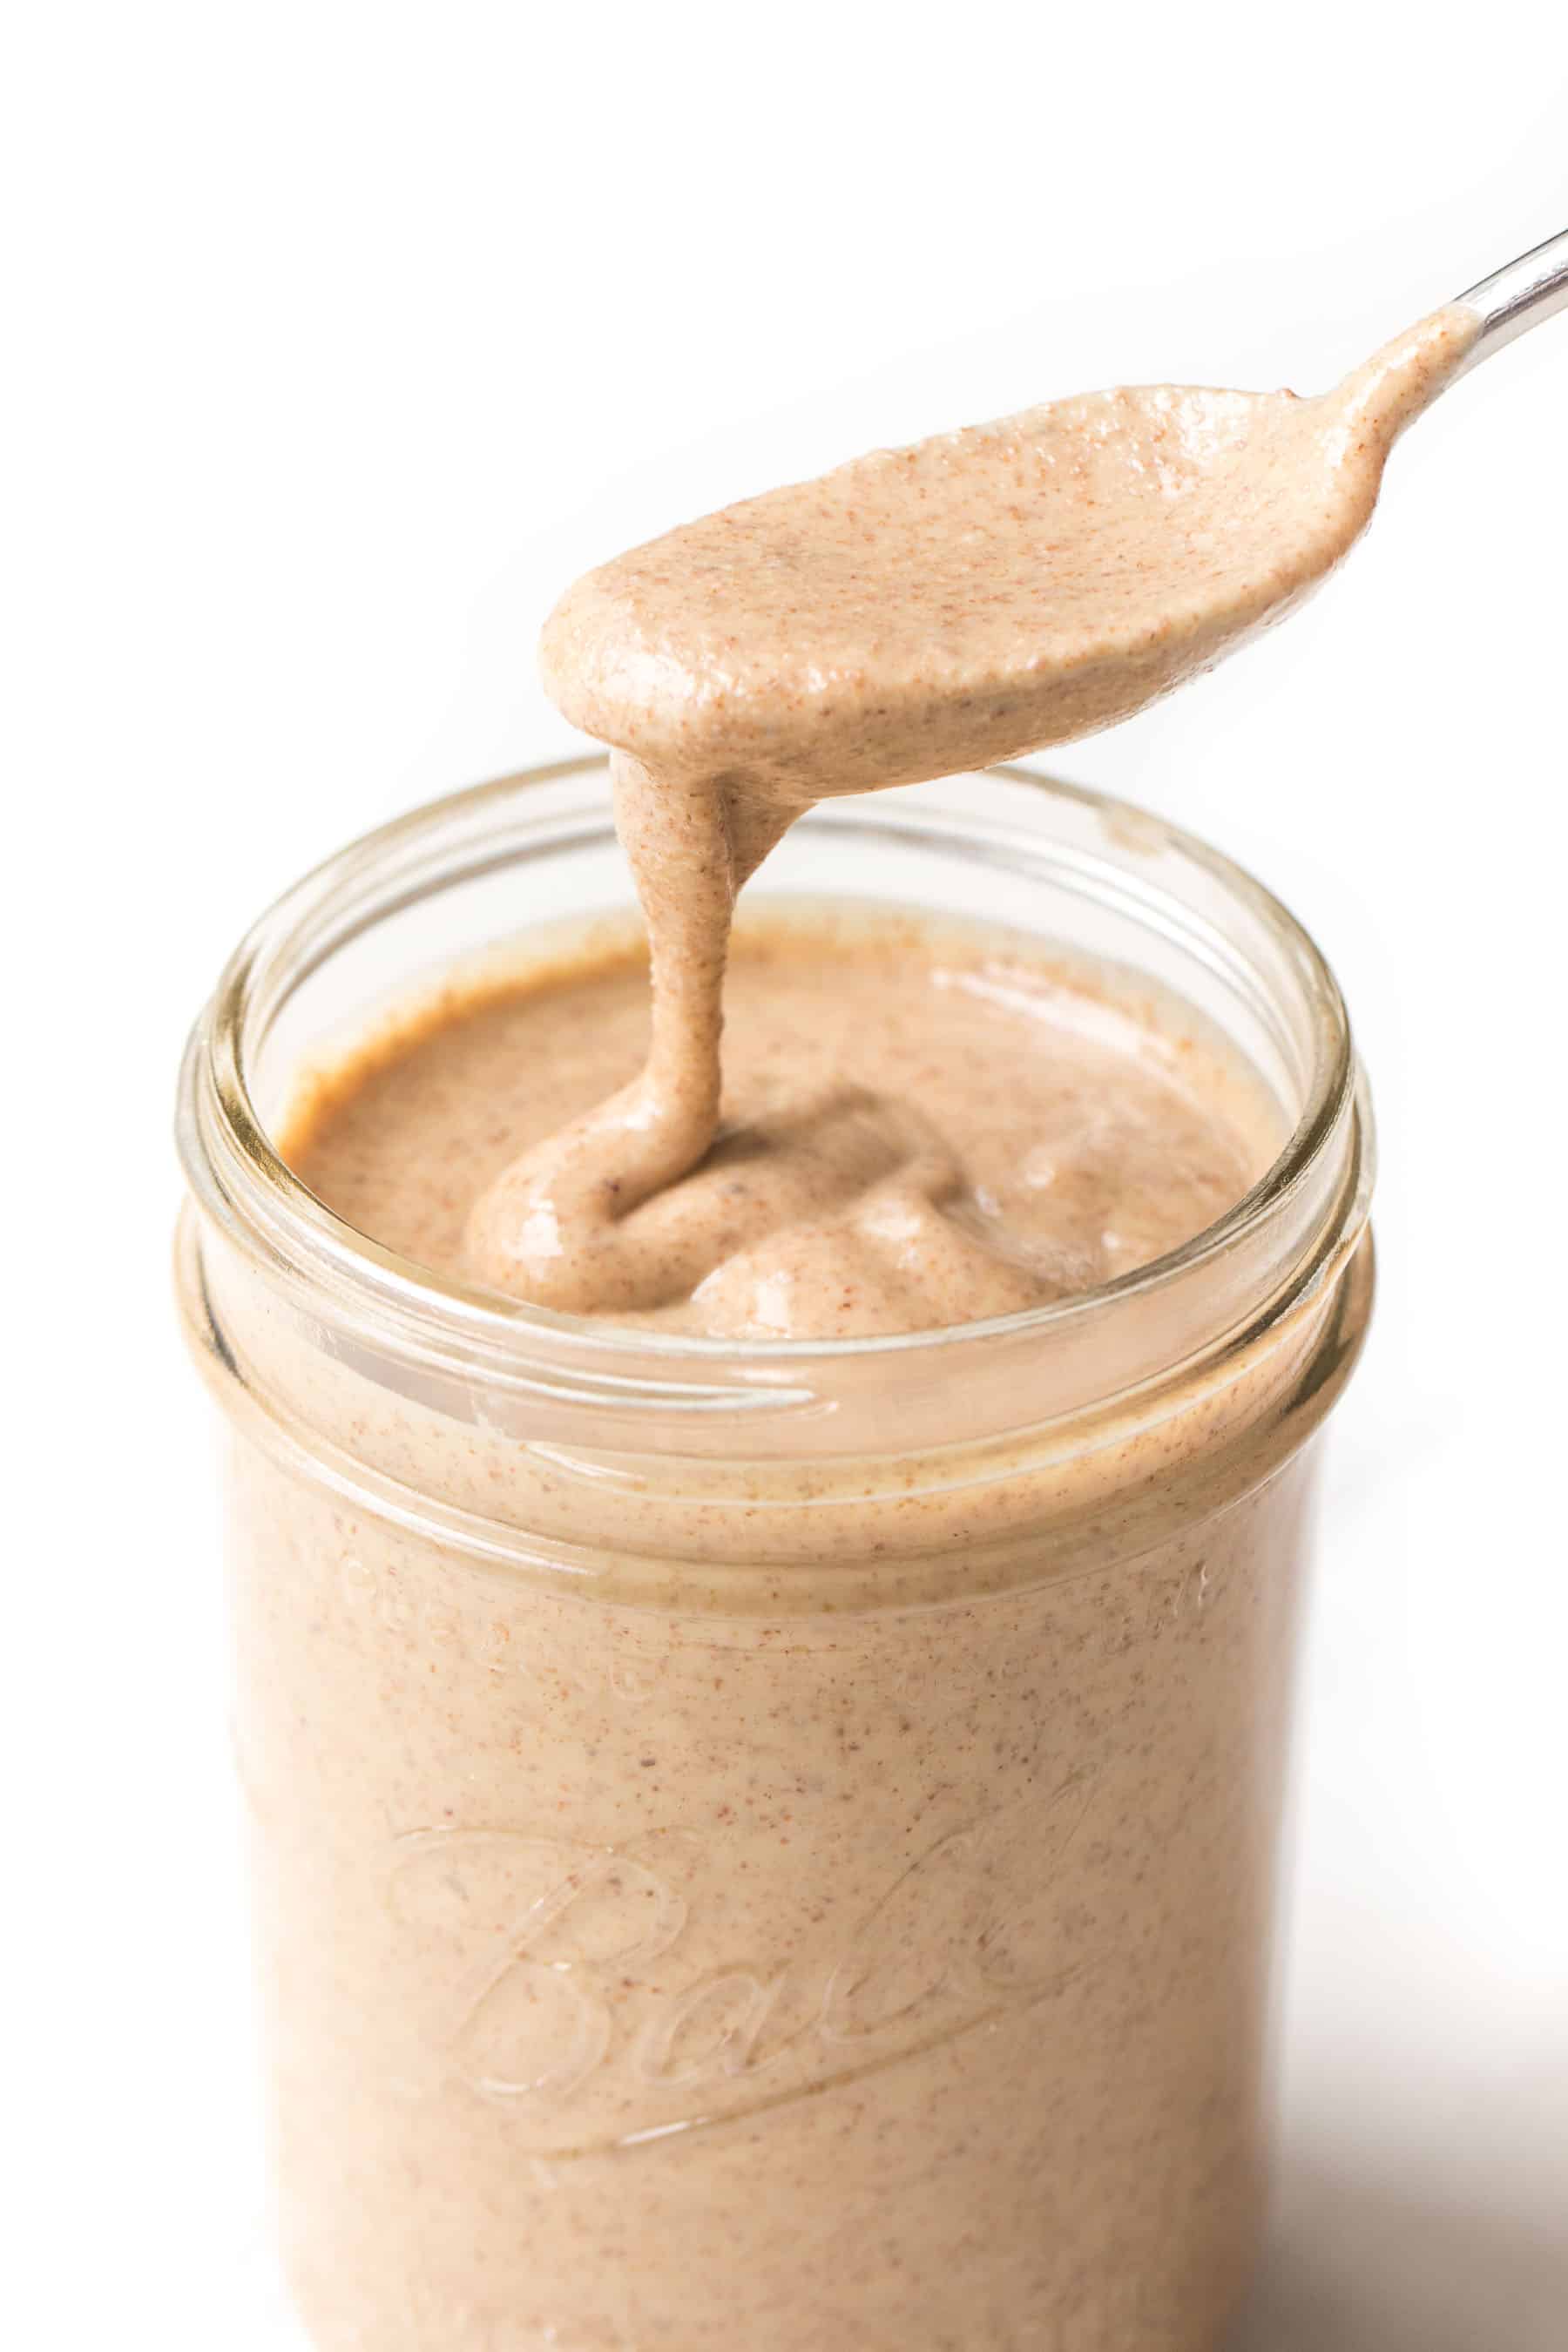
986,593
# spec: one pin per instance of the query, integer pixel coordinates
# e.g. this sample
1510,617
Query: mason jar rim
241,1181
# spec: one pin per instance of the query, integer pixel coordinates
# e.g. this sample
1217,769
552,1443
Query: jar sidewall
955,1526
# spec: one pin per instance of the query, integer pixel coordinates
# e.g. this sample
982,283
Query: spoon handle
1517,297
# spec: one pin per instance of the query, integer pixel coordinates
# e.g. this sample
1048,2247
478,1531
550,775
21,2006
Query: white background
340,338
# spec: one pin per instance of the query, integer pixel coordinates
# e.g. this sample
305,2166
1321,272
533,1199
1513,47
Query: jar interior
1105,887
494,877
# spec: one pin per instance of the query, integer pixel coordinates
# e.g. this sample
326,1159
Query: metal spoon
916,613
986,593
1521,295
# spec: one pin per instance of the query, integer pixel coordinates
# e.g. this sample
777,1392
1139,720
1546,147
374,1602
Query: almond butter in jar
768,1844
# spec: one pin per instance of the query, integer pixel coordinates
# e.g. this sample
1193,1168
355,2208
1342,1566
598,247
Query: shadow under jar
721,1887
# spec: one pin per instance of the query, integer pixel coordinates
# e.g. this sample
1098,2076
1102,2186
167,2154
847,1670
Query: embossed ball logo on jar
581,1993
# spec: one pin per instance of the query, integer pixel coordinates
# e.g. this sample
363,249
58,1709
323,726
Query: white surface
341,338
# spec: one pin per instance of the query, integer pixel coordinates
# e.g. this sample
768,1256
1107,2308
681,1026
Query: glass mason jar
721,1887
